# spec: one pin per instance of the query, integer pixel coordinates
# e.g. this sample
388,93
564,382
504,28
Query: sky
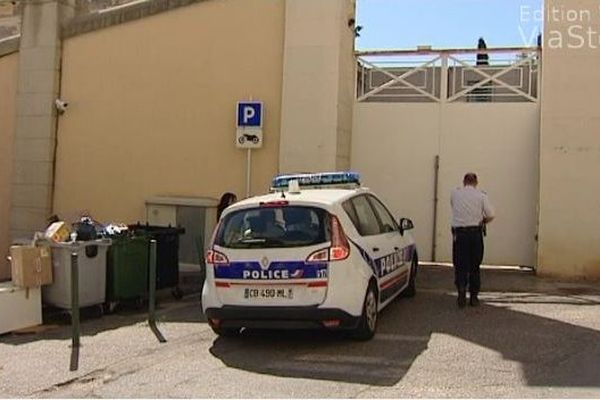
405,24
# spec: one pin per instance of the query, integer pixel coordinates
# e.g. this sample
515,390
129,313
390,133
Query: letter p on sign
249,114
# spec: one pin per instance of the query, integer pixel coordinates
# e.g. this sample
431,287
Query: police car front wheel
411,289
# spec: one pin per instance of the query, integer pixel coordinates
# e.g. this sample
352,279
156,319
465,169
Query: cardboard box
58,232
19,307
31,266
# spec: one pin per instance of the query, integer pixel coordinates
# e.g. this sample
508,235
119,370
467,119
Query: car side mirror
405,225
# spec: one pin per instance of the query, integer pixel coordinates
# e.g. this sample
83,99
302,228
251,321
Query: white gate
416,111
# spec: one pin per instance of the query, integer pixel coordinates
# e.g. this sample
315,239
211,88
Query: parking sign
249,133
249,114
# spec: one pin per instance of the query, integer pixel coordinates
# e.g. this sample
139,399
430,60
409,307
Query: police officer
471,210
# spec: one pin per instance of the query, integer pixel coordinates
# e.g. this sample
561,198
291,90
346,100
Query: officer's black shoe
462,299
474,301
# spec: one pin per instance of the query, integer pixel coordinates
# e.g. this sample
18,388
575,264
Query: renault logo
264,263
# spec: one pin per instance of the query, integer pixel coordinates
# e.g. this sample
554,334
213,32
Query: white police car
318,252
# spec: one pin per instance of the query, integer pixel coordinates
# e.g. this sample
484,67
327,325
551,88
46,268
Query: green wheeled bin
167,254
127,269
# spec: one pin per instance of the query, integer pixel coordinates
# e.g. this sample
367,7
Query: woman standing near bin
227,199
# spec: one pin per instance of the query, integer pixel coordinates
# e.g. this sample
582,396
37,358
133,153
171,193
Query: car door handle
375,249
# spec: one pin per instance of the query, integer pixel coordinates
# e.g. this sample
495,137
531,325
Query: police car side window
387,221
367,223
349,208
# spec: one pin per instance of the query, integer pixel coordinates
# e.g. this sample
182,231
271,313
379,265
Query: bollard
75,311
152,294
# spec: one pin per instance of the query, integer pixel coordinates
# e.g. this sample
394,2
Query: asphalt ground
530,338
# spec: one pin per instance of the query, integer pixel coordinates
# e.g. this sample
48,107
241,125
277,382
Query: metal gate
422,119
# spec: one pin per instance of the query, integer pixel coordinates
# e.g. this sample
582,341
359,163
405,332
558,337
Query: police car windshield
270,227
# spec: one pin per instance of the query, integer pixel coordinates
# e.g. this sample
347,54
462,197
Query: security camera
61,105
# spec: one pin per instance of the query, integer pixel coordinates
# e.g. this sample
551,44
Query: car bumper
281,317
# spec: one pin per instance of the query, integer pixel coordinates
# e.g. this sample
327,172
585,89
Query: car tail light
340,248
215,257
319,256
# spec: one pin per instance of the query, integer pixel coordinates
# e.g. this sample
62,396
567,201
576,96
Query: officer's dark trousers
467,254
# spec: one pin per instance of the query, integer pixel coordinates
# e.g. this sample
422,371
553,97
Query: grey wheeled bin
92,273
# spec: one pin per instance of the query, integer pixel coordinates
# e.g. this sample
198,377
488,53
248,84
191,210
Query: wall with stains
569,227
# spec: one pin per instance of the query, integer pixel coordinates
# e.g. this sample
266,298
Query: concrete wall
318,85
8,95
570,146
346,86
394,149
35,132
152,107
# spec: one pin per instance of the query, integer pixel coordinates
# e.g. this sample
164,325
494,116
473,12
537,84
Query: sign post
249,133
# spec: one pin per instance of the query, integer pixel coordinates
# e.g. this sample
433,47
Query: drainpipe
435,206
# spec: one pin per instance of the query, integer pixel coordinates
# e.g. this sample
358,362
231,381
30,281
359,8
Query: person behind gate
227,199
471,211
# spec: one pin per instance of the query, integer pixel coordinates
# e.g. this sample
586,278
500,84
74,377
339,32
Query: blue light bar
317,180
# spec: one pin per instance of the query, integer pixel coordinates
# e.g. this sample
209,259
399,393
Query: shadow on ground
57,322
551,353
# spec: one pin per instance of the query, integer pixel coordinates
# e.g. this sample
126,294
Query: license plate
268,293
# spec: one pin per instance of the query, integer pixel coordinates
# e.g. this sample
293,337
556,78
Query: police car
319,251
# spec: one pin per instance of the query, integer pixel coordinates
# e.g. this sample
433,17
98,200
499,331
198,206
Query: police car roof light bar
347,179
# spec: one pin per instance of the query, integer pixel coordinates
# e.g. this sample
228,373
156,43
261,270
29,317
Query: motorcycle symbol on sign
251,138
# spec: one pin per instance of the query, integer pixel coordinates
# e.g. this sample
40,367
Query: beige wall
6,9
318,82
152,107
346,86
394,149
8,94
569,235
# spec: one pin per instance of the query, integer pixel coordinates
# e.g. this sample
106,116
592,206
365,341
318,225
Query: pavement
530,338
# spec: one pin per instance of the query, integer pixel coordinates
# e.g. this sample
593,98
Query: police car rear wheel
225,332
368,320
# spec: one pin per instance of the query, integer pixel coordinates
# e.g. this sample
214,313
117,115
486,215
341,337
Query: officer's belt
476,228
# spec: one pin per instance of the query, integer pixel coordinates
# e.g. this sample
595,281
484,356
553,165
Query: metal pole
444,79
435,206
75,311
248,166
152,294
